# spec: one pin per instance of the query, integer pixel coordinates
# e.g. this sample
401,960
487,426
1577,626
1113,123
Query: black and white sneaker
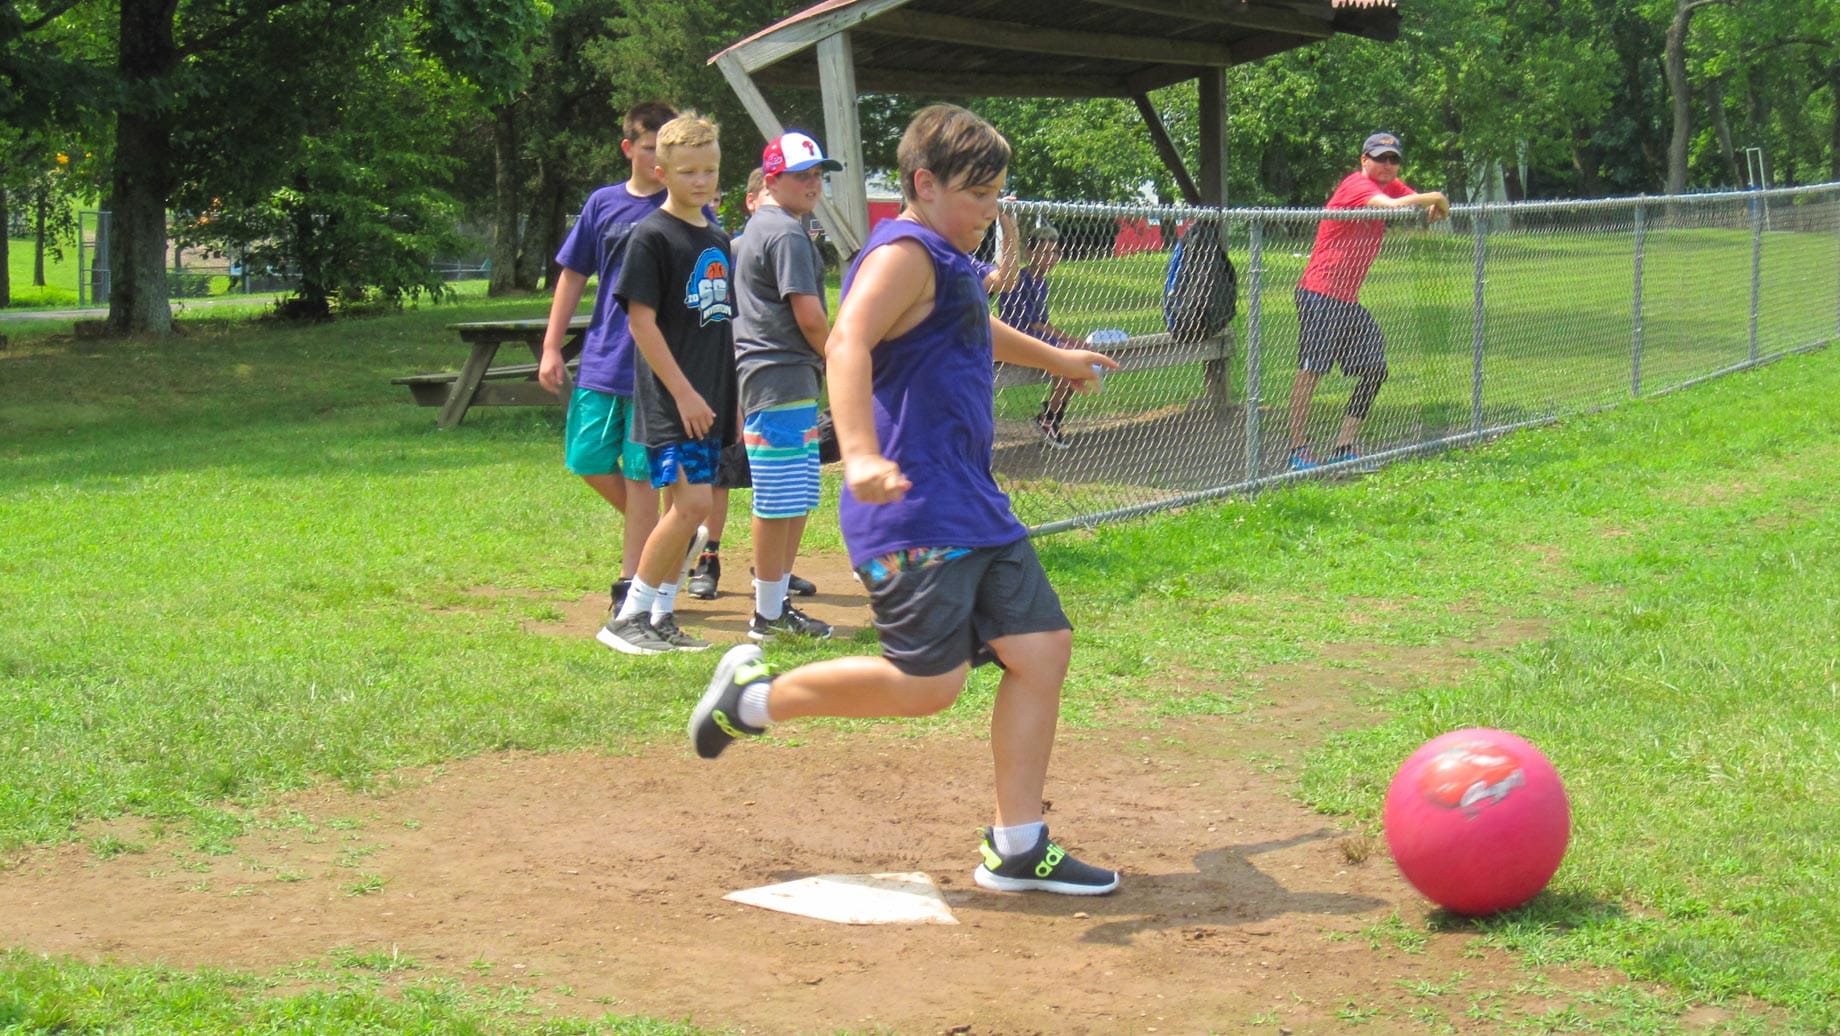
716,720
1045,868
617,594
633,635
800,587
668,631
791,622
705,576
697,543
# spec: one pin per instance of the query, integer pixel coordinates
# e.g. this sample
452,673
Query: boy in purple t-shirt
596,442
951,574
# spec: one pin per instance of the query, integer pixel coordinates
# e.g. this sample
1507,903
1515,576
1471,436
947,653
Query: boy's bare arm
1009,255
697,416
809,312
892,283
561,310
1076,365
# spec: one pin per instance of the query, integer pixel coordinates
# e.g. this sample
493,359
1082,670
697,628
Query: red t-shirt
1346,248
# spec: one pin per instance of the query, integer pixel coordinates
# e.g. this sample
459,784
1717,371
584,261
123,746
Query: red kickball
1477,820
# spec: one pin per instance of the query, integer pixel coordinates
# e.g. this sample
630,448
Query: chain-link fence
1500,317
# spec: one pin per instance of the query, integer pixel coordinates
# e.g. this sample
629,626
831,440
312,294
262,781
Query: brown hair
687,130
646,117
757,181
960,148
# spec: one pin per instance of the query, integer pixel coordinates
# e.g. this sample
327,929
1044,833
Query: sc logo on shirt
707,290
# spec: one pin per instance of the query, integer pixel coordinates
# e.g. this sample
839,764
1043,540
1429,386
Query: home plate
905,898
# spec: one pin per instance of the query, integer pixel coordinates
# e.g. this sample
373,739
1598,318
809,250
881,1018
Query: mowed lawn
237,562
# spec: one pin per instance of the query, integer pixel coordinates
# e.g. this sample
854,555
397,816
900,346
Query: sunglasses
1384,159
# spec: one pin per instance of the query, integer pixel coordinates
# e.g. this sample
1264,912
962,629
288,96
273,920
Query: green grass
60,288
171,511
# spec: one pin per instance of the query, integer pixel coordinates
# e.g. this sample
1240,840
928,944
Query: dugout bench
1149,352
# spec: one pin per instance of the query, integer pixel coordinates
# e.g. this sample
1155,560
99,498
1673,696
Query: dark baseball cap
1381,143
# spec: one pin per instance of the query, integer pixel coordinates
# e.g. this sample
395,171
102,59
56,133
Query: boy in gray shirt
780,330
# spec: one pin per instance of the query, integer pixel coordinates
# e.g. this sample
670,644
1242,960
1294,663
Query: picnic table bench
478,383
1148,352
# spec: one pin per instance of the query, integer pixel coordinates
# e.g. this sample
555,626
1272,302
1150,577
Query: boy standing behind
676,288
952,577
780,330
595,443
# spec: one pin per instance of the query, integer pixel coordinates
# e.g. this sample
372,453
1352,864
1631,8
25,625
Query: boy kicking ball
951,575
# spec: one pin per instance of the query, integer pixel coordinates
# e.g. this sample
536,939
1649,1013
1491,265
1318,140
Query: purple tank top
933,392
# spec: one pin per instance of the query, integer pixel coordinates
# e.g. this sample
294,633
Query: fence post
1255,281
1635,349
1479,220
1756,273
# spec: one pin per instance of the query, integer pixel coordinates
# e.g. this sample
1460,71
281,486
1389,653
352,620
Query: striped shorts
782,450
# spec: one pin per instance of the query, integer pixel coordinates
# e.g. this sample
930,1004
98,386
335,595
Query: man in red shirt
1333,325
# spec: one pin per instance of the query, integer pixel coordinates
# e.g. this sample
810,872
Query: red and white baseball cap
792,153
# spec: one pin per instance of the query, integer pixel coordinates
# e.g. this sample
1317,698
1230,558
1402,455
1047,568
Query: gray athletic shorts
937,609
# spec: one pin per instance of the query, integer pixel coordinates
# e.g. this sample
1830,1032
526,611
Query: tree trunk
542,231
505,236
1588,162
1675,62
1715,99
1833,150
141,181
38,236
6,277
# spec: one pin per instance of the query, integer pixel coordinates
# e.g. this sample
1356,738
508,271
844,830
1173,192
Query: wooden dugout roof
1047,48
1028,48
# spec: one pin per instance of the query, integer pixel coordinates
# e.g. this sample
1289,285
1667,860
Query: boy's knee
926,695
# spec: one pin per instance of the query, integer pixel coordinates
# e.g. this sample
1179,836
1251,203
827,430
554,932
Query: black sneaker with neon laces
1045,868
716,720
791,622
667,629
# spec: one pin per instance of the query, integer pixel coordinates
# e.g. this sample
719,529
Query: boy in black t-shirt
677,290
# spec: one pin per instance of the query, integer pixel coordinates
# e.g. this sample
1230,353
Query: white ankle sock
753,707
666,601
639,598
1020,838
770,598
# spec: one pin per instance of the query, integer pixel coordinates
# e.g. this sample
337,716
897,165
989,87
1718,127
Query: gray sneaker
666,628
791,622
633,635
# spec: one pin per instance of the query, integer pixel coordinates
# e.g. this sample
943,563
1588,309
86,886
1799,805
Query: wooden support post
1213,137
769,125
849,196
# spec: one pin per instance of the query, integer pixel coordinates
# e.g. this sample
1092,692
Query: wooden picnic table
478,383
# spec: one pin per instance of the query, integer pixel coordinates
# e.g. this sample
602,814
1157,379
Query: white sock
639,598
1008,841
753,708
666,601
770,598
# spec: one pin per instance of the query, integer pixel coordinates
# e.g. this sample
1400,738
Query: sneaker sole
732,660
620,644
999,883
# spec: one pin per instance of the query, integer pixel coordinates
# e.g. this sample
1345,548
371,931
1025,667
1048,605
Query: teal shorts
598,436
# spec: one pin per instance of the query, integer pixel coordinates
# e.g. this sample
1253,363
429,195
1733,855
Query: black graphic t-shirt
683,272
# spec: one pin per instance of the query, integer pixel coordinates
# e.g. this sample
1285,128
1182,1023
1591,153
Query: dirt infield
598,880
